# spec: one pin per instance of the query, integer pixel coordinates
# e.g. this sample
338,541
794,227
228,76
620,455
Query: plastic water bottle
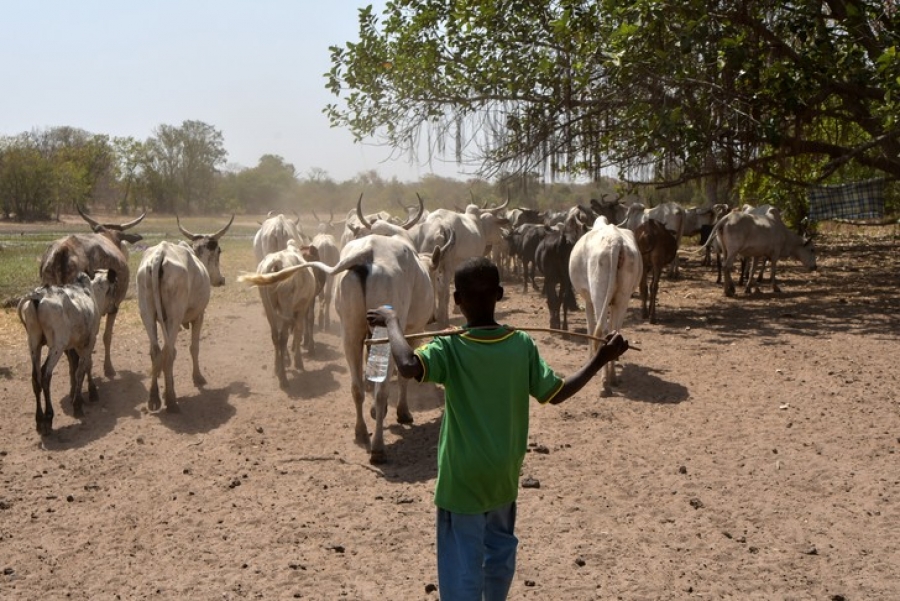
377,365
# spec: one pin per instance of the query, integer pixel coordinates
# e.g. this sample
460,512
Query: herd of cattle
601,252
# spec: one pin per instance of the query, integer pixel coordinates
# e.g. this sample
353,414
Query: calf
658,249
67,320
286,298
330,254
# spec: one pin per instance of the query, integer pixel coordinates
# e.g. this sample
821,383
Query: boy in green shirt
488,375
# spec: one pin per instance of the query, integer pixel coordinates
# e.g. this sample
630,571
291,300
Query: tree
180,166
663,90
26,180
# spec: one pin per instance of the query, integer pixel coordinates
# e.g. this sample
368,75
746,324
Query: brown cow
65,258
658,249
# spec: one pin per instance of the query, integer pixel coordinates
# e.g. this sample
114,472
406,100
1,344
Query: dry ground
751,452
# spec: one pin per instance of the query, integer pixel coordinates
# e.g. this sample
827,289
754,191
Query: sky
253,70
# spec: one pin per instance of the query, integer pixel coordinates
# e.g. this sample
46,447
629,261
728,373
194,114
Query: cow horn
130,224
222,231
269,214
330,215
359,213
187,234
495,210
450,242
414,220
91,222
316,216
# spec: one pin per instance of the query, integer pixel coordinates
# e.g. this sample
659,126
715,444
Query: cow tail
156,274
614,265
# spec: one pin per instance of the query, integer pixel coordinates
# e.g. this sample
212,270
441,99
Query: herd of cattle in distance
602,253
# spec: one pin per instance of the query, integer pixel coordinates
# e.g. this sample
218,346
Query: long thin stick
458,331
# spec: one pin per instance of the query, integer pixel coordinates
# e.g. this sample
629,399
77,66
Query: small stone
811,550
530,482
580,562
696,503
682,469
70,498
530,583
430,588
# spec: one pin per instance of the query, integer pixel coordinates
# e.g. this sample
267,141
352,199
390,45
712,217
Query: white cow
330,254
286,298
273,235
67,320
670,214
748,235
468,231
376,271
605,268
386,227
173,289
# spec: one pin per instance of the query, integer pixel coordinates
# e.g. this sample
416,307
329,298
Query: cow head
612,209
115,232
103,287
434,261
207,249
409,223
326,227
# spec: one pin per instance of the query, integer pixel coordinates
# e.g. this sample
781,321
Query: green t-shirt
488,376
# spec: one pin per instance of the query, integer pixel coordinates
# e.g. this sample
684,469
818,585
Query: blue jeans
476,554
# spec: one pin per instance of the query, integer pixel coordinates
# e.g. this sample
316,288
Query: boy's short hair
478,275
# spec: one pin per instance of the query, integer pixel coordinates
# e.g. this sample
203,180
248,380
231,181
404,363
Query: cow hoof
153,404
109,372
605,393
199,381
45,427
173,407
378,457
404,418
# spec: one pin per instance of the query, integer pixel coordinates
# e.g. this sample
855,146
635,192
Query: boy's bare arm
612,349
408,364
